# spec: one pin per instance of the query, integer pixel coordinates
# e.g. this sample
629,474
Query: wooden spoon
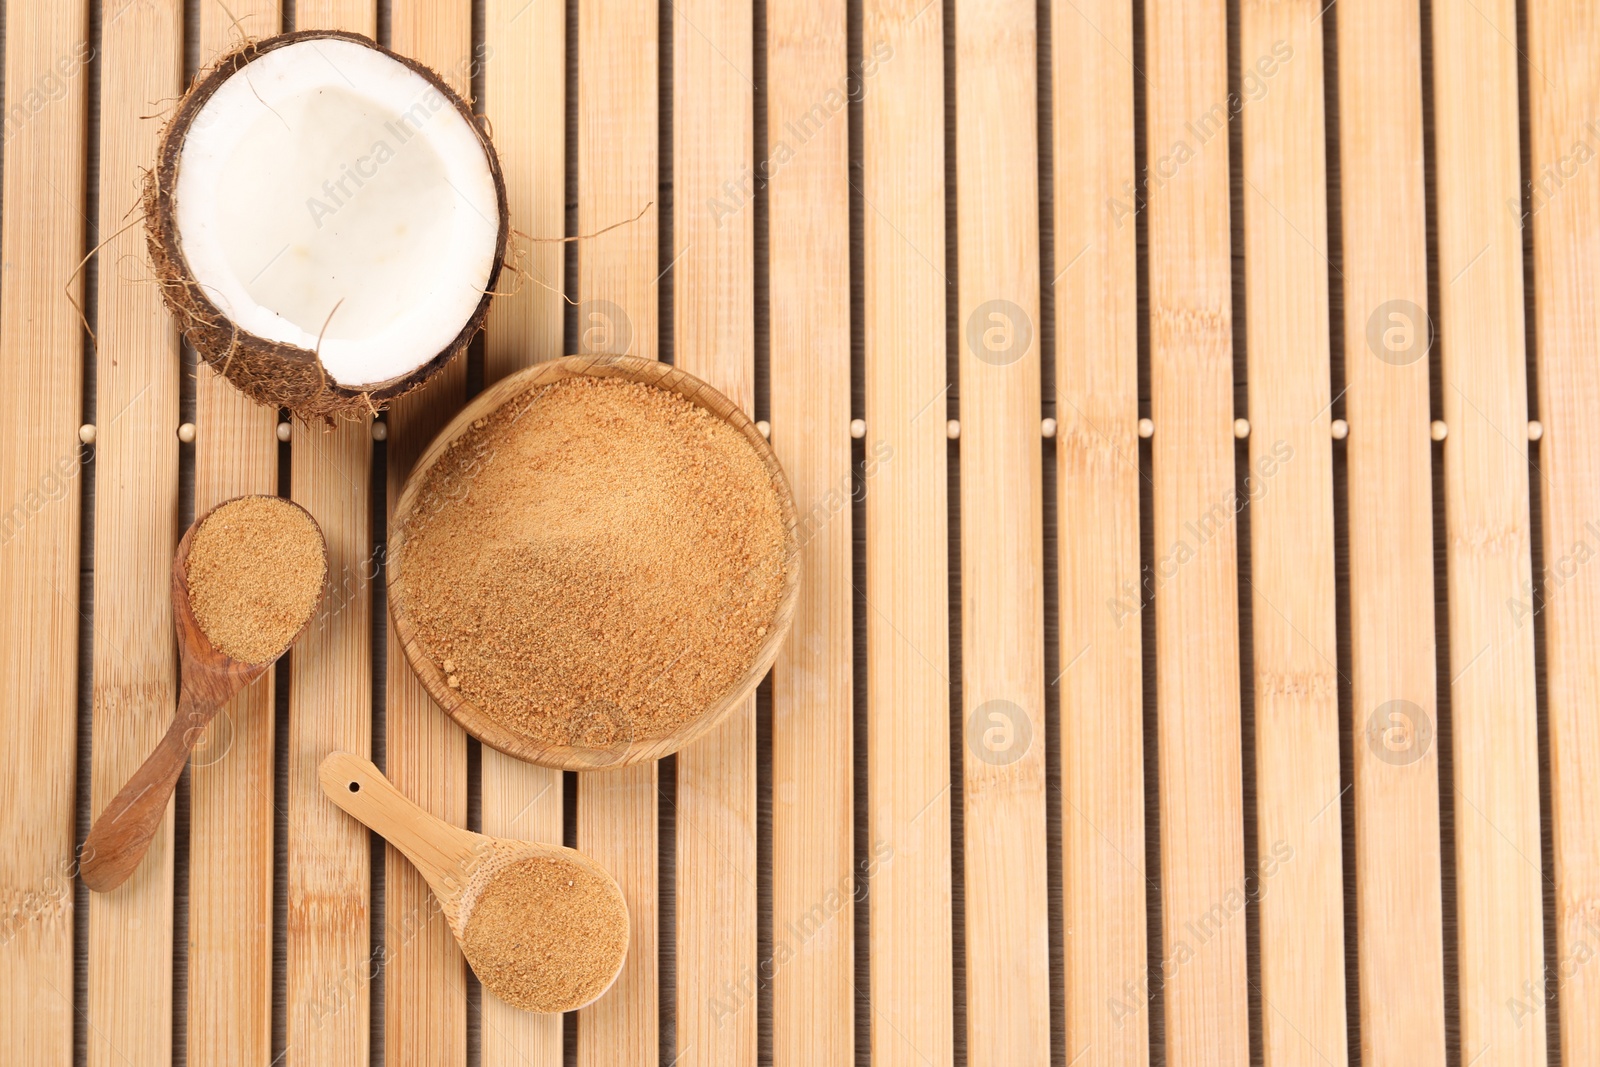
209,678
460,867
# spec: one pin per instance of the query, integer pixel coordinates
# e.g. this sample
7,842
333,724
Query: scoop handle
123,832
442,852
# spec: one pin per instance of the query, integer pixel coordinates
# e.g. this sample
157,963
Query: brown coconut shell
268,372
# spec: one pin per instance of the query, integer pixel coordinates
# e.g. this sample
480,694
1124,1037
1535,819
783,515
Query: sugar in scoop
546,934
255,572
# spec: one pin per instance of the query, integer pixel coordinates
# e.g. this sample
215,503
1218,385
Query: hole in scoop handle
439,850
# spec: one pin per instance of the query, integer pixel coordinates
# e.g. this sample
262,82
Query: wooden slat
135,518
907,595
618,172
425,1006
1494,732
525,87
41,402
1564,98
714,338
1196,539
231,795
1002,550
617,828
1298,877
813,884
330,709
356,16
1097,465
524,59
1393,653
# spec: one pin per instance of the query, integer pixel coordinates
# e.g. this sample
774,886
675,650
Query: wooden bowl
578,757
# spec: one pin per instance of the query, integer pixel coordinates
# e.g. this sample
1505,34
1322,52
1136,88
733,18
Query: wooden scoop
461,867
209,678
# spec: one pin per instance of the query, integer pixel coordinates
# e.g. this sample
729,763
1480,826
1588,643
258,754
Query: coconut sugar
255,569
596,562
546,935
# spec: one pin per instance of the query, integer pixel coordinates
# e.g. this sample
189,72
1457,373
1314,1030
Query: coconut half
327,221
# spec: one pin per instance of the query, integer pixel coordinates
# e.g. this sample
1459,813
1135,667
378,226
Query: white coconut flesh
330,198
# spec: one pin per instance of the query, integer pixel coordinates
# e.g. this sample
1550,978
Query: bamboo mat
1191,406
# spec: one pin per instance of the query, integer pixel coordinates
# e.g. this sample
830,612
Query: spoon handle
443,853
121,835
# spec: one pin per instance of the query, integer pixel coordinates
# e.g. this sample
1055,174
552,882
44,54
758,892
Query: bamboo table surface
1194,415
